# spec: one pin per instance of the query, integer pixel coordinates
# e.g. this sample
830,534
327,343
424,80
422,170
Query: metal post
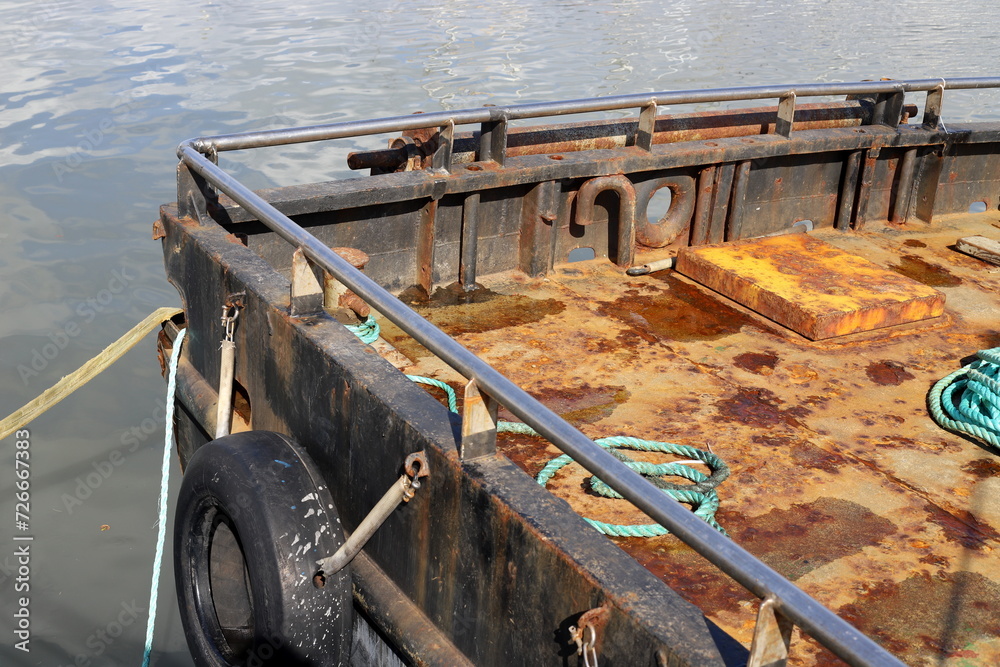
647,126
306,296
786,116
771,638
470,242
479,423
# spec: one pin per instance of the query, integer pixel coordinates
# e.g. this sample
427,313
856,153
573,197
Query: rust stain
459,312
804,454
688,574
932,275
759,363
801,374
888,373
956,609
758,407
528,453
584,404
962,527
982,468
682,313
804,537
892,442
914,243
933,559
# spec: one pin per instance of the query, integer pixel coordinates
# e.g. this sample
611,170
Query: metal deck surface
840,480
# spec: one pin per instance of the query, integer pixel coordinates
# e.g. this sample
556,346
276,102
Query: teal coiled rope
368,331
968,400
701,495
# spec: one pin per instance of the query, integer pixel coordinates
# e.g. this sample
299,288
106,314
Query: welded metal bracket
786,116
194,195
588,634
400,492
307,288
479,424
771,638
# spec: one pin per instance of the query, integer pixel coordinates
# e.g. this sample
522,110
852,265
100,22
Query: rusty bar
470,242
720,202
930,167
425,246
703,206
601,134
848,190
734,230
870,159
907,168
538,213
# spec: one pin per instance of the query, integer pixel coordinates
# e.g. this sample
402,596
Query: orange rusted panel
810,286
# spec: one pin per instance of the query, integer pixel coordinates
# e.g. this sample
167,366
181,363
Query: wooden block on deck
980,247
810,286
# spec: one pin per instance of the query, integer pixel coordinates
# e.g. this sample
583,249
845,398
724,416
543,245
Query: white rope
164,485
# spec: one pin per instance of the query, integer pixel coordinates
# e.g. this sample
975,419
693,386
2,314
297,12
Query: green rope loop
449,392
968,400
368,331
701,495
703,499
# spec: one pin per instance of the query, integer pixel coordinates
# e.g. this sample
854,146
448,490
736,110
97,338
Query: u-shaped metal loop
663,232
626,211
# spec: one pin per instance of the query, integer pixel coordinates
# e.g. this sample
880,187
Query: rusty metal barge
778,286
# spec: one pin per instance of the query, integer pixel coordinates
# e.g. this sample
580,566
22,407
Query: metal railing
786,599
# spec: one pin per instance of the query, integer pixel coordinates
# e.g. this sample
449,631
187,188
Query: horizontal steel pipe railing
246,140
816,620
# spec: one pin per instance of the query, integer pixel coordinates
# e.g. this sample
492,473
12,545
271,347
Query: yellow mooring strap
85,373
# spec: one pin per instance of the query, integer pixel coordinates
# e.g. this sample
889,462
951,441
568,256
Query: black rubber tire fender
255,501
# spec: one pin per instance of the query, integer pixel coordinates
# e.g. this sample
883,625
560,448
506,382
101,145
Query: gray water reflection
95,97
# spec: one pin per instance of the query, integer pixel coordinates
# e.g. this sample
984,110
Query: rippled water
95,97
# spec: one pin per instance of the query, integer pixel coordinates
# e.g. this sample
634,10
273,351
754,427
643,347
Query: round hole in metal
659,204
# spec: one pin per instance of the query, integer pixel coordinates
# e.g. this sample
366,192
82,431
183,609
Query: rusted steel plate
810,286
